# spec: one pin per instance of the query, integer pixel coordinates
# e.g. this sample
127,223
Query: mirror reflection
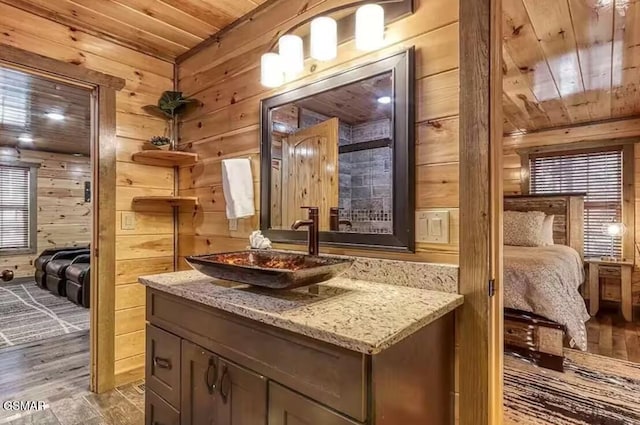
333,150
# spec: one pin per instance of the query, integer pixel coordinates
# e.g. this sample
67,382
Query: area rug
593,390
29,313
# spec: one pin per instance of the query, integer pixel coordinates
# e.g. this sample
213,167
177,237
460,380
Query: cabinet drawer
288,408
293,360
158,411
163,364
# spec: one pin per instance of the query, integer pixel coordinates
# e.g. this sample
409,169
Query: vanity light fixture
55,116
385,100
324,38
291,55
271,73
369,27
289,63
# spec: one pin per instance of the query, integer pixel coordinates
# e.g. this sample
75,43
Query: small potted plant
160,142
171,106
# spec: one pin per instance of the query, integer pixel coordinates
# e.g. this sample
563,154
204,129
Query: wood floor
608,334
56,371
592,390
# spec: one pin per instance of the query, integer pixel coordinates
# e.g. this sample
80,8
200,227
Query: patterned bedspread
545,281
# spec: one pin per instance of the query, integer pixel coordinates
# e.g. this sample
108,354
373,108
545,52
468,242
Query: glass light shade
369,27
324,38
614,229
291,55
271,74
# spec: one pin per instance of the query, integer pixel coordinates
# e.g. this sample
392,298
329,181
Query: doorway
570,142
45,208
93,166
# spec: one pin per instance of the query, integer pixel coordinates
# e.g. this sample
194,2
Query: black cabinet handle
162,363
211,376
225,385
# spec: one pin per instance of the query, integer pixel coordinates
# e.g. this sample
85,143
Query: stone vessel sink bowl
270,269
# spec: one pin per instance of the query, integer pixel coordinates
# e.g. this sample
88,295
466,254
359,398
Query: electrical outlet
128,220
233,224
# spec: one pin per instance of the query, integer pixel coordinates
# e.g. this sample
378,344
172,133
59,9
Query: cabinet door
289,408
158,411
199,375
242,396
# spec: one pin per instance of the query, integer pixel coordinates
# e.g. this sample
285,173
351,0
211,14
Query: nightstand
625,267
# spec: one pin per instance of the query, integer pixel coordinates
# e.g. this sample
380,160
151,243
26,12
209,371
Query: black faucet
314,229
334,220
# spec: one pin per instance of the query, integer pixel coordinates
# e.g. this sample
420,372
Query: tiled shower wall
365,177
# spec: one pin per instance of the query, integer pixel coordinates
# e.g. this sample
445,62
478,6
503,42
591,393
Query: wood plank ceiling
568,62
361,98
161,28
25,102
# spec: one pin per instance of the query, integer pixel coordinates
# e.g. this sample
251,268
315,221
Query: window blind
14,207
599,175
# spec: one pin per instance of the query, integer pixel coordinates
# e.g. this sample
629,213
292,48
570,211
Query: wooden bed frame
529,335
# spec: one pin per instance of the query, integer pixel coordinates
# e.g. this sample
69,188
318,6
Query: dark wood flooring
608,334
592,390
56,371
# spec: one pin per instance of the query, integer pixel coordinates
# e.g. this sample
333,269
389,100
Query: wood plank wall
64,218
582,133
225,77
148,248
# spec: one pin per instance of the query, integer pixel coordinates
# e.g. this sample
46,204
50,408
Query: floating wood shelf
162,158
173,201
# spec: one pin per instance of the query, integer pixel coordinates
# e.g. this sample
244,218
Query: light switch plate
432,226
233,224
128,220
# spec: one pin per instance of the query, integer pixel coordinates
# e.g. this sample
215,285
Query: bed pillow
523,228
547,230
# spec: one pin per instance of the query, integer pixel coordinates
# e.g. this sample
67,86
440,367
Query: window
17,203
599,175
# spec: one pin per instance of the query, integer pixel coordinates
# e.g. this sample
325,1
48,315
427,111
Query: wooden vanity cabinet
243,396
216,391
158,411
163,364
228,370
289,408
199,380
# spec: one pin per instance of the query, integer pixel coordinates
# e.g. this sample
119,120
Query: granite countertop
361,316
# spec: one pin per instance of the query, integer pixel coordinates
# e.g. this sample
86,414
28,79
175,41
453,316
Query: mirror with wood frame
345,145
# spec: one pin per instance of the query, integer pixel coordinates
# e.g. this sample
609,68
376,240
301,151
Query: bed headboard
568,208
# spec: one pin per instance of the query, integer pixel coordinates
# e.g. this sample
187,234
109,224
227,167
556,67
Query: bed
544,311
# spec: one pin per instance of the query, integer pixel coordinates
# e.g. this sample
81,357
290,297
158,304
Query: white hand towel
237,183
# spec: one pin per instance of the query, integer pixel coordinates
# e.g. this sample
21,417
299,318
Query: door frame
480,320
103,168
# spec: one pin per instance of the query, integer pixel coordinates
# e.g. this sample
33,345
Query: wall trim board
480,320
57,69
619,129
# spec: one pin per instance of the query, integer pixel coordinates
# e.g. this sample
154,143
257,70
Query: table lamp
613,230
